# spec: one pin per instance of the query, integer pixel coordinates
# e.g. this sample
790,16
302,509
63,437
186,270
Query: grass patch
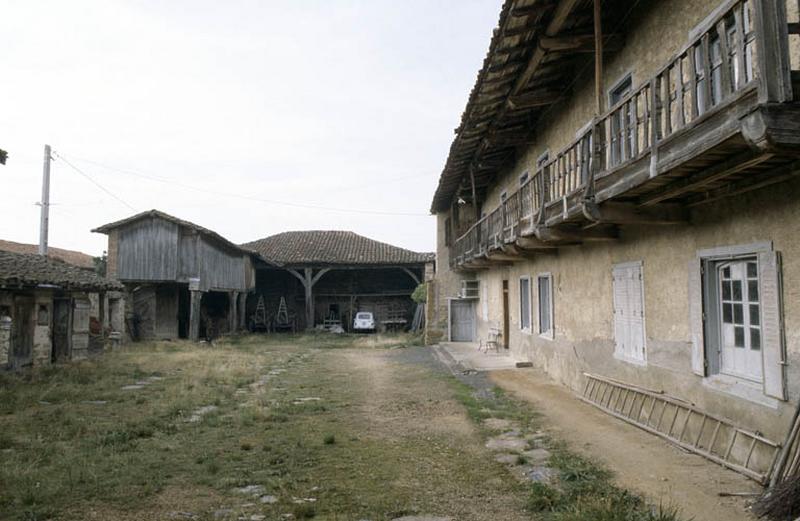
583,490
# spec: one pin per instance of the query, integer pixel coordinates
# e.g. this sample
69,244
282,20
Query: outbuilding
46,310
322,278
181,280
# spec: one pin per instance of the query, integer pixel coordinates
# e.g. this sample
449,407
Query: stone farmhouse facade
622,198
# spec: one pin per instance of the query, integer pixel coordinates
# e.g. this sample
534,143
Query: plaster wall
445,285
583,304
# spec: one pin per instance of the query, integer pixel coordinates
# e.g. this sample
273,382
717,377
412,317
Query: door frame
31,302
450,317
69,303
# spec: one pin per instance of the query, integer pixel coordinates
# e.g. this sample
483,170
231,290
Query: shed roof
106,228
76,258
27,270
332,247
536,54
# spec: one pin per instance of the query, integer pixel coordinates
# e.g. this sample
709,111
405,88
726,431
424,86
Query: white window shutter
696,317
772,324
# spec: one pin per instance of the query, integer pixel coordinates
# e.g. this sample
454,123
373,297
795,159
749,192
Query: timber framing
670,144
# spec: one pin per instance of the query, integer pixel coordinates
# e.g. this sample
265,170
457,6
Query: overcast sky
220,112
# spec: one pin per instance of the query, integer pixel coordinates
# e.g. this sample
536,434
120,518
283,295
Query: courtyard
287,427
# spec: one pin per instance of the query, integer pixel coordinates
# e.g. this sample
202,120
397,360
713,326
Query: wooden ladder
683,424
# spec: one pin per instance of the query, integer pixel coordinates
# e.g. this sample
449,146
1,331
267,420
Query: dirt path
641,461
404,404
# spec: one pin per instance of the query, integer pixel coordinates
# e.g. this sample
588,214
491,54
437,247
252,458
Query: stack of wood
782,499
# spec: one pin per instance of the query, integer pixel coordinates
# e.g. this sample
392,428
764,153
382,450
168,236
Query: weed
329,439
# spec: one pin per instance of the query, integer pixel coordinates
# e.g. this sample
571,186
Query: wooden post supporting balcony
772,40
598,57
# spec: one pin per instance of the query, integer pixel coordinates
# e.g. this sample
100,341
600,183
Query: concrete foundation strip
648,410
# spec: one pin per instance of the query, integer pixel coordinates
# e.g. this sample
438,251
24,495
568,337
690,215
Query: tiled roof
332,247
27,270
75,258
180,222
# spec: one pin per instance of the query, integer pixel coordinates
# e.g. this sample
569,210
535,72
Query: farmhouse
324,277
45,310
181,280
620,207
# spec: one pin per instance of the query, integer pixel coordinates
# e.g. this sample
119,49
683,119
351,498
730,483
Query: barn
322,278
181,280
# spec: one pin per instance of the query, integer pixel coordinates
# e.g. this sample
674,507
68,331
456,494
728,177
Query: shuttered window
736,316
629,323
525,304
544,288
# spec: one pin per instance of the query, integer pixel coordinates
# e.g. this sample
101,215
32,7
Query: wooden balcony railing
719,65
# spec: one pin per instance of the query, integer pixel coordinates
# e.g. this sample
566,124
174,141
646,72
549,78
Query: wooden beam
534,99
574,233
749,184
735,164
581,43
319,275
411,274
629,213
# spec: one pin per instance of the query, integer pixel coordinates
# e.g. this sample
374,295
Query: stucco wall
583,303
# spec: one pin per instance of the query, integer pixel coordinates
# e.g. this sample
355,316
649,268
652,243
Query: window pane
752,290
738,333
737,290
727,313
755,319
738,314
726,273
755,339
726,290
752,270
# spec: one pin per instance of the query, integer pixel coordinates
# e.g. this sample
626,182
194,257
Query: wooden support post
772,39
242,311
474,195
194,315
598,56
309,296
233,320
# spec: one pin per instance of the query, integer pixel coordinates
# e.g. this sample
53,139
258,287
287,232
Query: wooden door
740,320
462,321
61,329
22,344
505,315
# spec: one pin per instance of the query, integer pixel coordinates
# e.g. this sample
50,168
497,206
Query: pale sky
218,112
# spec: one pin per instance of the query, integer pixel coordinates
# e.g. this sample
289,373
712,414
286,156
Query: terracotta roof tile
332,247
27,270
76,258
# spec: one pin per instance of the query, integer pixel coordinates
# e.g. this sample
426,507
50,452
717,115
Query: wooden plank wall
148,250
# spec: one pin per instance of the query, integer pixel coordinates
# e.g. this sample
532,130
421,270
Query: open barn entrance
214,309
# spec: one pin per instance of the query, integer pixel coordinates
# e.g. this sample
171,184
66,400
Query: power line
251,198
98,185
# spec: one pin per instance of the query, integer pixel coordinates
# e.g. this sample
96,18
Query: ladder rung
685,424
700,432
714,437
750,452
730,445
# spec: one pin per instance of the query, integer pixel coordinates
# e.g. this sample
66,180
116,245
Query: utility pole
45,219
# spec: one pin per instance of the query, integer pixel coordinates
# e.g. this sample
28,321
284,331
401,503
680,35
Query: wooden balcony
717,120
